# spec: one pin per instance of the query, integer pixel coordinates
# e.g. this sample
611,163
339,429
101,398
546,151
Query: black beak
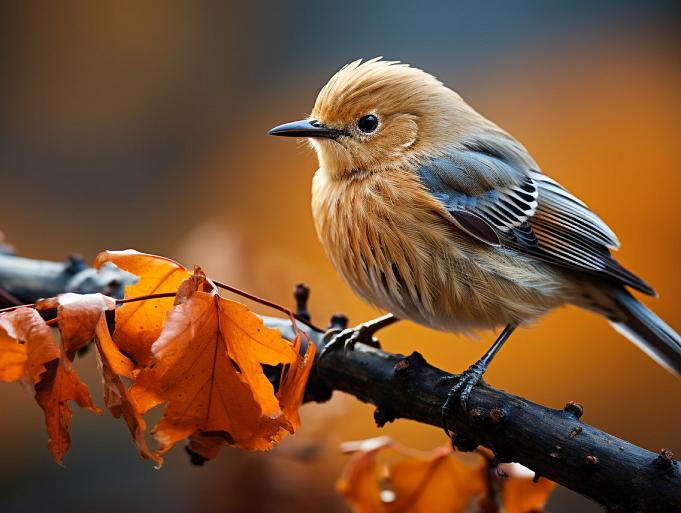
307,128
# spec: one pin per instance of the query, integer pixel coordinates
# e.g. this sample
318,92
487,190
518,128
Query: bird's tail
646,330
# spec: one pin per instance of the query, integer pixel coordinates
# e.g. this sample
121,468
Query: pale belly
402,256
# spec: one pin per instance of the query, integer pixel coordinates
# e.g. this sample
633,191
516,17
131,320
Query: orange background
143,125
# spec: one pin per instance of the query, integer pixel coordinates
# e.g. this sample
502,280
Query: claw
462,388
470,377
349,337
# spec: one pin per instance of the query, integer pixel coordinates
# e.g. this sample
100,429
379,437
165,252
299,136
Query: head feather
364,86
419,118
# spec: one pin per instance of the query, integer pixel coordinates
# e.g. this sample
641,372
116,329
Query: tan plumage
390,240
437,215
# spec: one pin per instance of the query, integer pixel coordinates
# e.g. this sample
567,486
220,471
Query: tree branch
554,443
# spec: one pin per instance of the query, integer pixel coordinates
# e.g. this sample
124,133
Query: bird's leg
464,383
361,333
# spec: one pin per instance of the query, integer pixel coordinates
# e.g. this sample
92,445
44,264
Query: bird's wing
494,191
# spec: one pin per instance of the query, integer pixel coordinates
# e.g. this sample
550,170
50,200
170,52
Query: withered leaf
420,483
139,324
113,364
292,387
520,494
439,482
59,385
13,356
50,372
201,354
25,326
208,370
78,316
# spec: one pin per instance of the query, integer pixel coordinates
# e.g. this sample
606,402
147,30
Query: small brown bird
435,214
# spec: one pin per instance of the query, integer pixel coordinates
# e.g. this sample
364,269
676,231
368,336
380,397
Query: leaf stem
118,301
11,299
10,308
235,290
265,302
160,295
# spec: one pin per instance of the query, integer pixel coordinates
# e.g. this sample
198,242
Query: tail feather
647,331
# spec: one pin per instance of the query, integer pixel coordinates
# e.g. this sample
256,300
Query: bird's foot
349,337
461,388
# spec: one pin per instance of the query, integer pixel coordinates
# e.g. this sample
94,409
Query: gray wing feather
571,214
492,188
491,182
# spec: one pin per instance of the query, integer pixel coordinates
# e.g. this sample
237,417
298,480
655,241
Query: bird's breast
390,240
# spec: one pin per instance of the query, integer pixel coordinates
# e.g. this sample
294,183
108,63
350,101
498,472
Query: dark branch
554,443
27,280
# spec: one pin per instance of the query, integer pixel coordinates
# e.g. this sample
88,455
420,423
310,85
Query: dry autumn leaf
432,483
59,385
201,354
139,324
25,326
208,370
13,358
292,387
47,368
521,494
113,364
78,316
439,482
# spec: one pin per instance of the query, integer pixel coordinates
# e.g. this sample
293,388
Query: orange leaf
360,483
208,369
113,365
55,380
291,390
78,316
59,385
13,358
207,445
521,494
418,484
290,395
25,326
439,482
139,324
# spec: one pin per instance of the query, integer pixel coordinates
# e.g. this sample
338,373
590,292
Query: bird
435,214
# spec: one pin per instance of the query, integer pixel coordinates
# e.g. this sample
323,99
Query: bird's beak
307,128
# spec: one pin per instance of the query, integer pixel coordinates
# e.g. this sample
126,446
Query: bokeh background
142,124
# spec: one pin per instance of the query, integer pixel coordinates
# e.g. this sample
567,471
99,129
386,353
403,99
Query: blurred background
142,124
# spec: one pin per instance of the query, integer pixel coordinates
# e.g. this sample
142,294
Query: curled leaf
438,482
521,494
292,388
59,385
113,364
50,372
13,356
385,477
139,324
208,370
25,326
78,316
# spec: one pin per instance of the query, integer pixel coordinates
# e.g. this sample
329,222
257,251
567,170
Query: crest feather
360,81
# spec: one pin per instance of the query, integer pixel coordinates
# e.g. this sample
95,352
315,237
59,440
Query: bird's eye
367,124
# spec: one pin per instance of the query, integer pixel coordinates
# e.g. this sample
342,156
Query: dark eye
367,124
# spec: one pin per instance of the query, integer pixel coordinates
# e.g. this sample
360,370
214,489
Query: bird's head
376,114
